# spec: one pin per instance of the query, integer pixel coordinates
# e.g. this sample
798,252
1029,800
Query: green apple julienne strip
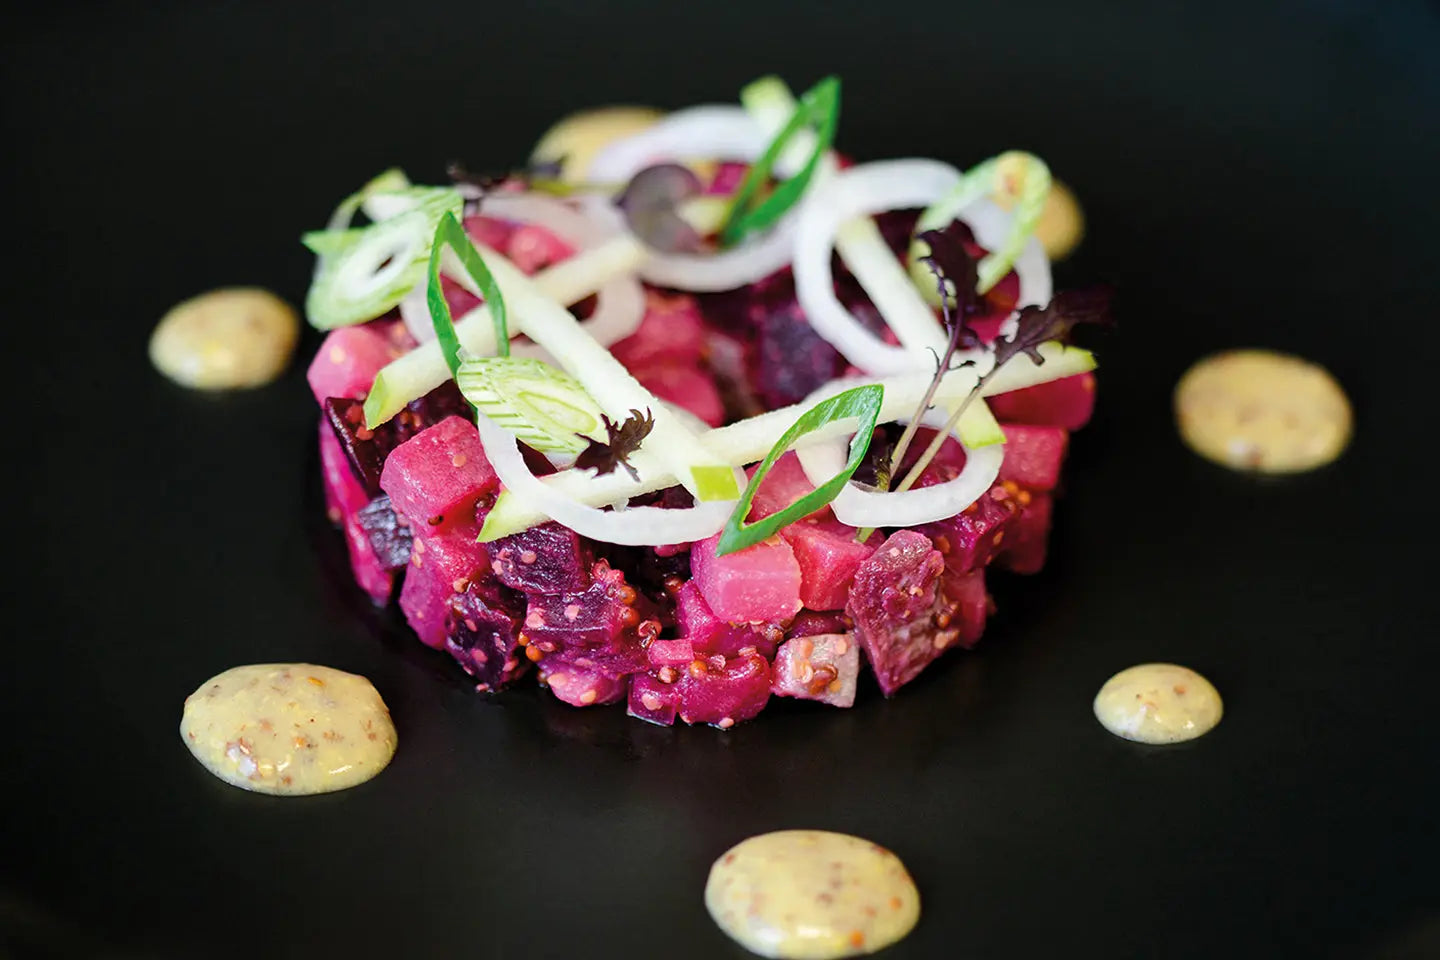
747,441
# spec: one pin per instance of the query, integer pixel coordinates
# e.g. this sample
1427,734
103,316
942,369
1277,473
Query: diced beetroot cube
370,574
482,633
708,634
902,619
759,583
347,361
724,695
368,449
685,385
345,501
548,558
435,478
388,535
671,653
1067,402
442,564
728,175
580,687
972,604
809,623
1027,541
653,700
533,248
489,231
784,483
824,667
1033,455
344,494
670,332
604,628
970,538
829,555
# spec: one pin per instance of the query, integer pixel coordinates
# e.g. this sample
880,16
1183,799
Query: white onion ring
619,303
907,508
859,191
875,188
634,526
726,133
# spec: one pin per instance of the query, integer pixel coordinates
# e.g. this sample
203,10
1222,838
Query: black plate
1252,175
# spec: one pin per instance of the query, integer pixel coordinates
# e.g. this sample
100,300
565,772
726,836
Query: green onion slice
860,403
451,234
545,407
819,108
364,271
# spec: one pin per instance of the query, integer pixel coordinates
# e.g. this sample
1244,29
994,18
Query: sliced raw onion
721,132
634,526
859,191
871,508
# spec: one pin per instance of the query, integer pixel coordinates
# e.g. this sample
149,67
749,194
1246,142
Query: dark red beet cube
482,633
1034,455
809,623
652,699
1027,542
389,537
726,693
546,559
970,538
708,634
902,619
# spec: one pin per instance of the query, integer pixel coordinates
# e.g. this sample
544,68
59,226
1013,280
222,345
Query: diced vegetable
825,667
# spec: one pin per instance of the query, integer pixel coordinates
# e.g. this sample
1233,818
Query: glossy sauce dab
227,339
289,728
1262,411
1158,703
810,893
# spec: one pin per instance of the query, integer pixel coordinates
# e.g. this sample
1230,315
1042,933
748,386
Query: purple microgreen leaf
1067,310
651,205
622,440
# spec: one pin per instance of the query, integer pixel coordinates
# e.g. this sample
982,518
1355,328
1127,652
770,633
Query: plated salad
715,416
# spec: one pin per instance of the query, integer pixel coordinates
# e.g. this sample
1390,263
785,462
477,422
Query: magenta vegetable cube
435,478
671,332
347,361
580,687
442,564
971,604
724,695
685,385
1027,541
829,555
1034,454
824,667
901,617
808,623
671,653
482,633
345,501
548,558
533,248
971,537
757,584
708,634
1067,402
652,699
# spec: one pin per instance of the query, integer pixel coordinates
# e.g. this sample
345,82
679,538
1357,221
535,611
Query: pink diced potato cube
435,478
824,667
759,583
347,361
829,555
1034,455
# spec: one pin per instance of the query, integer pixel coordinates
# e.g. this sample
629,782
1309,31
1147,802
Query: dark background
1253,174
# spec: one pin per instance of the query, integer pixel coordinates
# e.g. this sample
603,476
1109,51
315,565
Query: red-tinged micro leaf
1067,310
622,439
651,202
